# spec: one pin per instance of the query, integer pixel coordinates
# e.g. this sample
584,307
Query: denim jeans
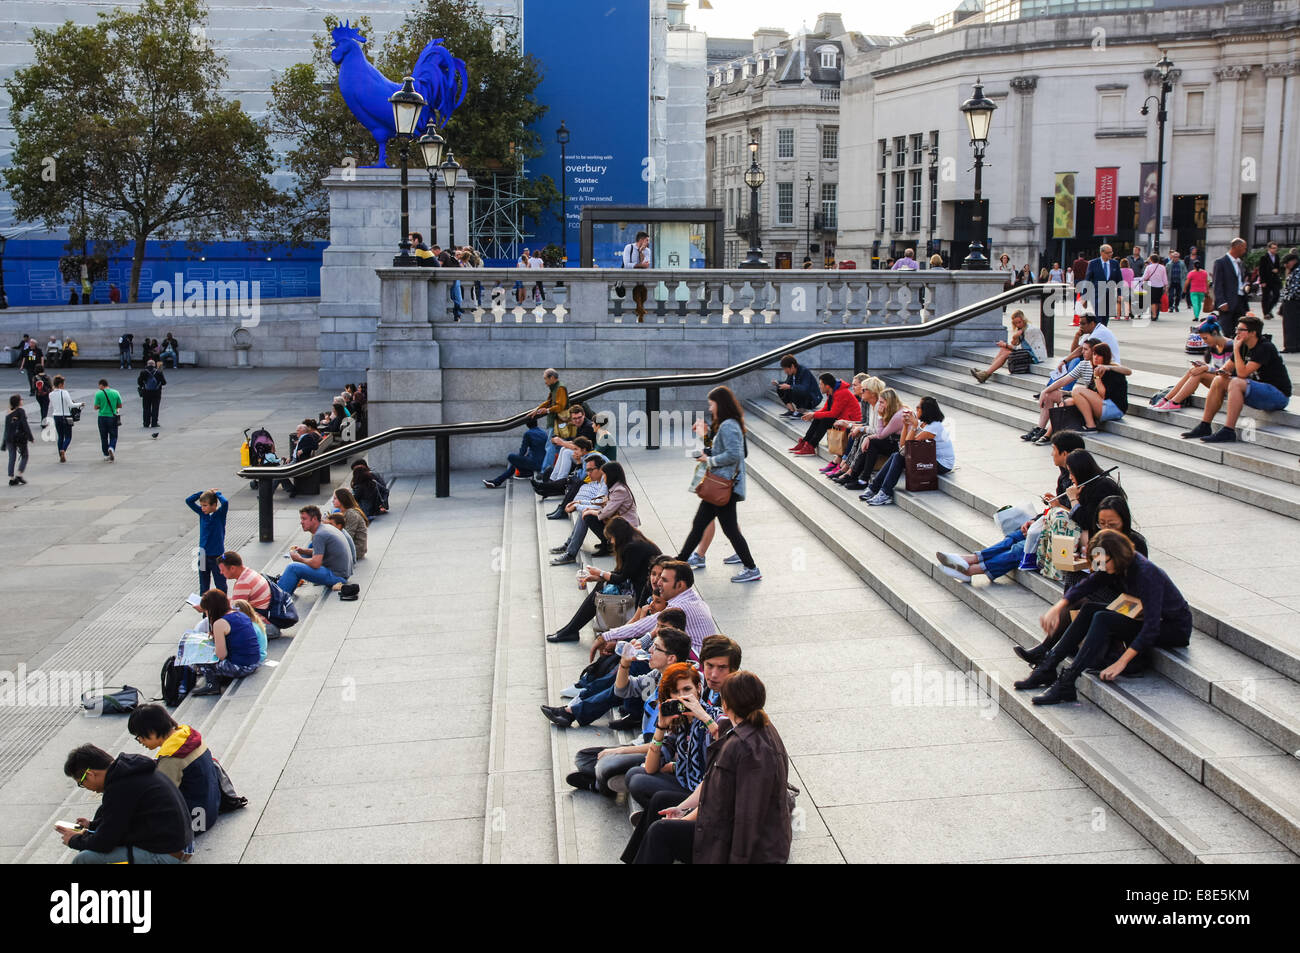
225,669
107,433
642,787
457,299
1003,556
529,458
296,571
63,427
599,698
209,570
552,451
611,766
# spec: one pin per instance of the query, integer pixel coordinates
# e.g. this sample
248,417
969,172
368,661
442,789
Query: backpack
230,801
1020,361
177,682
151,382
282,612
112,701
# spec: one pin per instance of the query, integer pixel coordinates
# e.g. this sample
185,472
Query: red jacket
842,405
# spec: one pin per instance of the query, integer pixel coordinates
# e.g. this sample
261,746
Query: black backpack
177,682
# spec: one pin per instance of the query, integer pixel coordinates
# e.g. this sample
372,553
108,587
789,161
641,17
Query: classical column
1224,214
1022,211
1277,191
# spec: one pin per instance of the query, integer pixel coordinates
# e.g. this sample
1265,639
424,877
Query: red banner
1105,219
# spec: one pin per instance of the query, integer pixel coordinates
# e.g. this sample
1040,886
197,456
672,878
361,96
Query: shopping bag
920,468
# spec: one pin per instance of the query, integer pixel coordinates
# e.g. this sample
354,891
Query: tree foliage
491,131
120,132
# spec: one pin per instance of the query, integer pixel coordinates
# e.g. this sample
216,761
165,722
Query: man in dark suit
1230,284
1270,279
1101,284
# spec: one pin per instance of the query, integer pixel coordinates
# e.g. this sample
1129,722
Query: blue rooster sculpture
439,77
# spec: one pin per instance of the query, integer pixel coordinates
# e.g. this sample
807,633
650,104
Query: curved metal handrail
816,339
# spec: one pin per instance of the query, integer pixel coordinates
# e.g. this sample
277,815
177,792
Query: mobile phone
672,708
67,826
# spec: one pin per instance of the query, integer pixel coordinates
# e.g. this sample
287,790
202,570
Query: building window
900,200
731,75
883,161
785,143
1110,110
830,205
785,203
900,151
829,59
884,198
831,142
1195,108
916,201
916,149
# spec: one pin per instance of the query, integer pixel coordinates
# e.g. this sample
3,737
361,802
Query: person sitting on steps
926,423
1218,361
880,445
840,404
586,487
633,555
619,502
799,389
859,434
1100,636
1261,382
1106,396
1009,553
1023,337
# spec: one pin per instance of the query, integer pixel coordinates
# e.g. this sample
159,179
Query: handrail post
442,478
861,355
265,513
652,417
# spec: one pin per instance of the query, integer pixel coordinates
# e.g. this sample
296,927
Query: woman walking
725,459
61,407
1196,284
16,438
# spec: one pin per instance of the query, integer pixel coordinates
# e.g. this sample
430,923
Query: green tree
125,116
491,131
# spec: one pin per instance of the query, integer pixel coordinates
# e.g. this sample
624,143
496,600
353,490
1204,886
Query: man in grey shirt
327,562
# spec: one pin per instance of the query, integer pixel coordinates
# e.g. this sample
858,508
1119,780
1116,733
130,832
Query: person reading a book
1150,612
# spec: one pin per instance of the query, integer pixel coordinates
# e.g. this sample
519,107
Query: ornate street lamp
754,179
450,173
562,137
1163,69
979,117
407,106
431,147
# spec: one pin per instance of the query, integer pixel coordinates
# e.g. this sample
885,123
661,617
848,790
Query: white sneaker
573,691
954,574
880,499
951,560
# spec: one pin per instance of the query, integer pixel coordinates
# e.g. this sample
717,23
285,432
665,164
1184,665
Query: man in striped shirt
245,583
677,582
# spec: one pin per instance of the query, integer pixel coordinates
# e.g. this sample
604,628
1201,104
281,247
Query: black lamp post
407,106
450,173
807,214
979,116
934,203
562,137
754,179
1163,68
431,148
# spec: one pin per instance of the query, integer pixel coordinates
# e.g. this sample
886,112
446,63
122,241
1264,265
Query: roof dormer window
829,57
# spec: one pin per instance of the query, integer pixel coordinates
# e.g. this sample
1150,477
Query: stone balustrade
702,297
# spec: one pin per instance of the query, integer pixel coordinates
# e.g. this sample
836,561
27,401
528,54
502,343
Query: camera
672,708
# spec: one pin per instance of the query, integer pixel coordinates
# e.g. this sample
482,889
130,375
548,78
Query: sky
740,18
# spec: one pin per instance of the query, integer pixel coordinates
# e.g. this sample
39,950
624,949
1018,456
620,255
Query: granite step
1178,814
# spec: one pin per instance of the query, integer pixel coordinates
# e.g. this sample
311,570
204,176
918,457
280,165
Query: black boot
1032,656
1044,674
557,514
1062,690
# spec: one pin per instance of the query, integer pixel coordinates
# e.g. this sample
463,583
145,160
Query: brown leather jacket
744,814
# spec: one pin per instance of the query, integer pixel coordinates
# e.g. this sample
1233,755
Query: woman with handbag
1023,338
841,403
925,424
65,412
858,434
1151,613
723,485
633,557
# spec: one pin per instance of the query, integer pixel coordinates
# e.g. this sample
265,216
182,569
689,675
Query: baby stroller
261,450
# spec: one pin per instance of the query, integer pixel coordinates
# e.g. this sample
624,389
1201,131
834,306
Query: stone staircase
1199,754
